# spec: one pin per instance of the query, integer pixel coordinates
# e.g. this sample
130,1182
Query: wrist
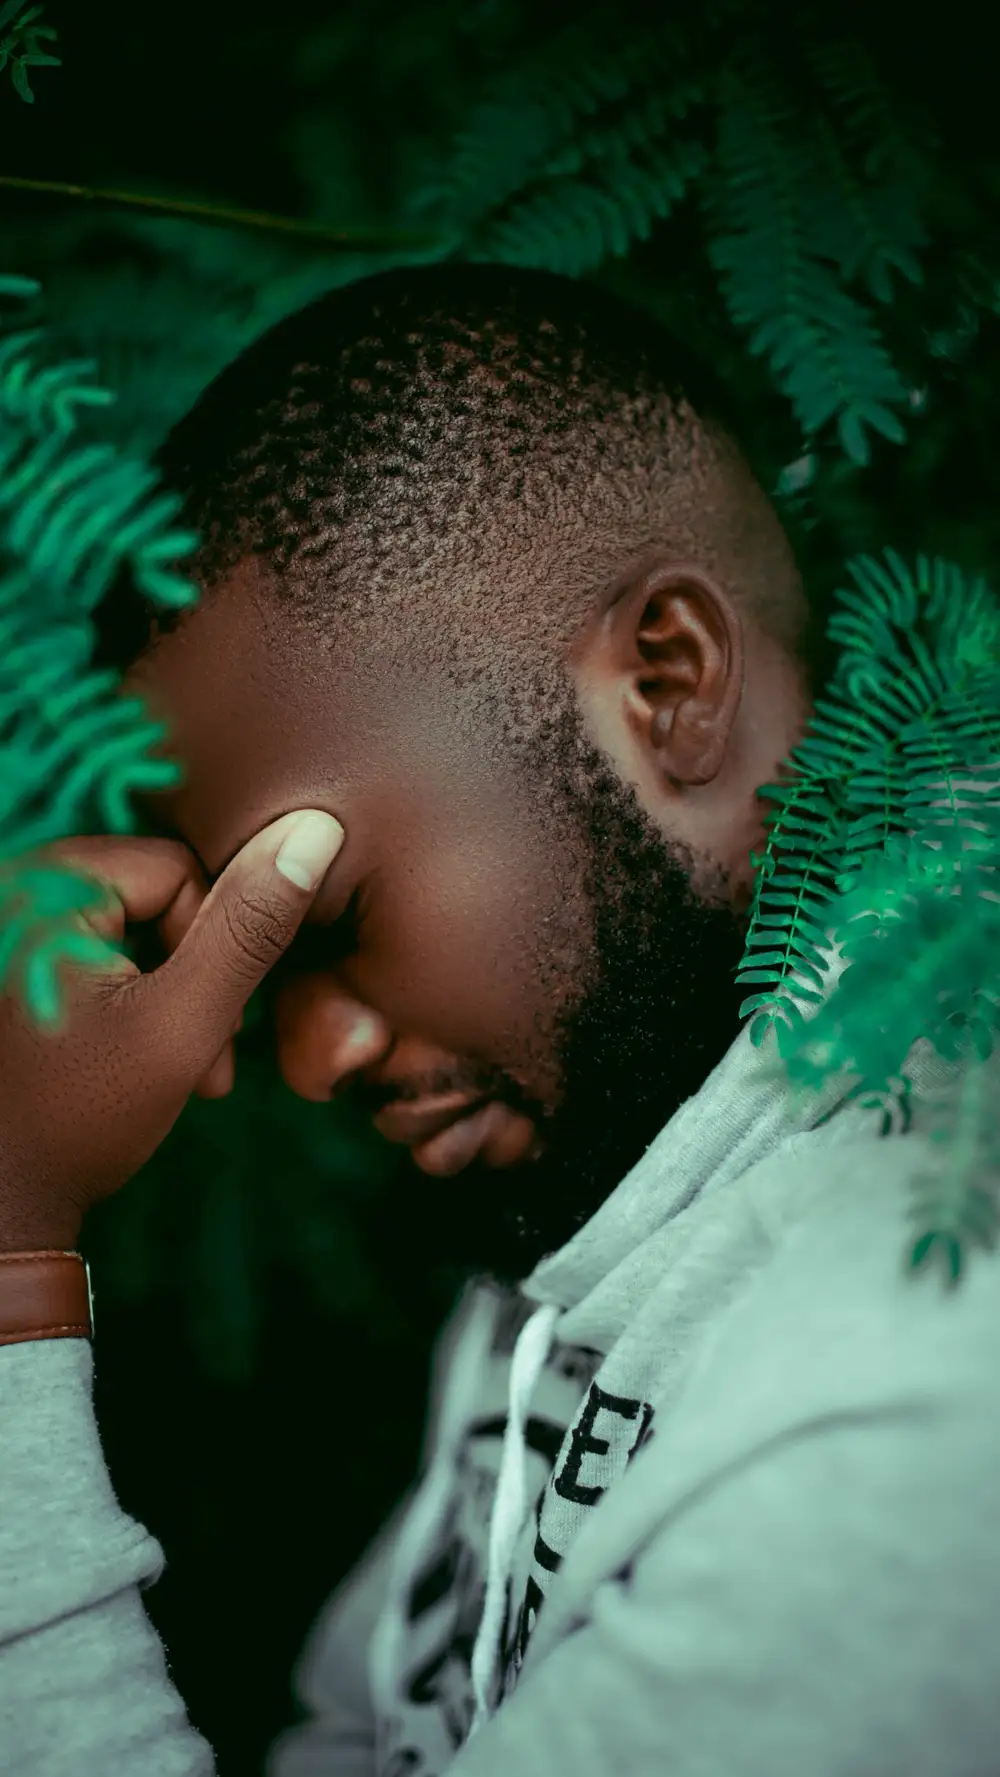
45,1295
31,1237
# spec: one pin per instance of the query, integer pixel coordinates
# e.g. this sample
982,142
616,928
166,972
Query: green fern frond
919,955
867,229
23,288
47,399
956,1204
79,543
573,225
586,93
642,123
178,303
821,344
71,518
925,648
794,885
911,733
873,126
878,754
798,876
19,40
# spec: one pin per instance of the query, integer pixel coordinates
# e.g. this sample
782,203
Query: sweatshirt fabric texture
713,1493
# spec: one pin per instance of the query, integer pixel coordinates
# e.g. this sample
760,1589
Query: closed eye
318,947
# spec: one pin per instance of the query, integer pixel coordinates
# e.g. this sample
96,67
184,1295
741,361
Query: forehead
262,722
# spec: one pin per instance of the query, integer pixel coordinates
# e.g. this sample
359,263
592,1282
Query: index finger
145,877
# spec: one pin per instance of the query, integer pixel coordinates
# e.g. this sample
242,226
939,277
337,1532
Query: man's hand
83,1108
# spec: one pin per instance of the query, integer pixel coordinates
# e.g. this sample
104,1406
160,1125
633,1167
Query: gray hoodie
713,1494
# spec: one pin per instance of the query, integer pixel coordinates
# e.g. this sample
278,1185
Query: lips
418,1123
446,1134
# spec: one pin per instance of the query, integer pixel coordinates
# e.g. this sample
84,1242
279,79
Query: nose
325,1037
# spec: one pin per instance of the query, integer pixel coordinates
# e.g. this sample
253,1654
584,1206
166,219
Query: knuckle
255,929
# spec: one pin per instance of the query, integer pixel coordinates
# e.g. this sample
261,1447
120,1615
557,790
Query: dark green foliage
886,842
71,517
254,1183
787,245
19,39
811,188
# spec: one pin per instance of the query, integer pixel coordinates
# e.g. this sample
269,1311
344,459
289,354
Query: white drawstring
385,1652
510,1502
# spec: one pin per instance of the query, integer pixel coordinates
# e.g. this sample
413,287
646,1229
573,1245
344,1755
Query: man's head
484,574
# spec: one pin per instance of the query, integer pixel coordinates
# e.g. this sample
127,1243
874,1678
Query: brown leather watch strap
45,1295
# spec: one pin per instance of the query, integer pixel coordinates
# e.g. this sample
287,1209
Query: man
708,1484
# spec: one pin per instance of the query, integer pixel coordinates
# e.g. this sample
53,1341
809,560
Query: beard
655,1010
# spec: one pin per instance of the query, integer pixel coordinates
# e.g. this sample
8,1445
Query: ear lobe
692,752
685,695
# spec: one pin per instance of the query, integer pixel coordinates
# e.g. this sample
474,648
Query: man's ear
668,653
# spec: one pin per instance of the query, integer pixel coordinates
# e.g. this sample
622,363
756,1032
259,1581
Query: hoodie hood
626,1301
587,1292
741,1114
582,1297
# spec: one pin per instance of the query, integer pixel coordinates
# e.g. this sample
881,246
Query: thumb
245,923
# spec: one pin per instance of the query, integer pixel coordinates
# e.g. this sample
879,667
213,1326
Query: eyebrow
307,934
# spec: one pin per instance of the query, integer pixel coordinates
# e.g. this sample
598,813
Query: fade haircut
453,461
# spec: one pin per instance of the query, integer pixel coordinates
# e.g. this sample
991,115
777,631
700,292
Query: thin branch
369,239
